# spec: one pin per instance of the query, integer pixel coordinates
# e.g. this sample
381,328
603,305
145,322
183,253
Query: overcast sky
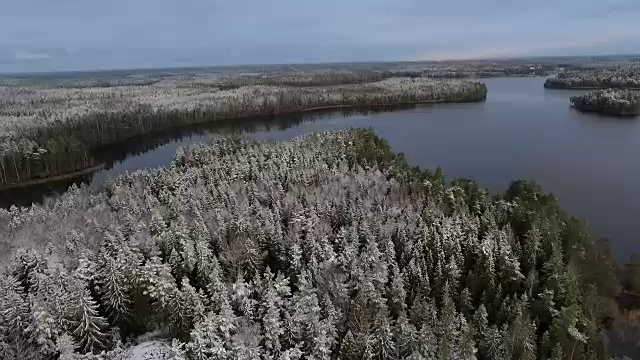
46,35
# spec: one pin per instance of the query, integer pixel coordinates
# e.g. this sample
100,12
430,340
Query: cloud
602,40
23,55
44,36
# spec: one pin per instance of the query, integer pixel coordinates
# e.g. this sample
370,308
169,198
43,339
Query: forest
623,76
614,102
291,74
48,131
324,247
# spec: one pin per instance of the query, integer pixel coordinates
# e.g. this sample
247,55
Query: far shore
364,106
309,110
590,88
47,179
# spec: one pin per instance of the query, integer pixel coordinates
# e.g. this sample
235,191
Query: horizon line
499,58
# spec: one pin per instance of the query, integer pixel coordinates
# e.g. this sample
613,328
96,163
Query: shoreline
84,171
48,179
338,107
306,110
591,88
606,113
595,110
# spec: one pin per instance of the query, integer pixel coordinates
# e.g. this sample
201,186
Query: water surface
590,162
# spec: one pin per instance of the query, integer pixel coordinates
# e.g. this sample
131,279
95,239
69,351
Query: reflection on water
24,196
158,148
591,163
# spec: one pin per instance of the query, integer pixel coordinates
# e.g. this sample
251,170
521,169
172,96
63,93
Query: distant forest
324,247
625,76
47,130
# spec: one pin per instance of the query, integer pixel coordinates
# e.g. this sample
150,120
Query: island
625,76
610,101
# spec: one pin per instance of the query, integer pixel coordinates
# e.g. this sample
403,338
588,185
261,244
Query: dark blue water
591,163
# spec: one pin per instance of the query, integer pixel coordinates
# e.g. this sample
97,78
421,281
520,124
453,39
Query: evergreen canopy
328,246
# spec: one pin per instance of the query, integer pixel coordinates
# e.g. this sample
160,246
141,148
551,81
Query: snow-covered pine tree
405,337
211,337
189,307
114,287
43,329
275,298
465,347
15,317
84,321
14,308
448,327
306,324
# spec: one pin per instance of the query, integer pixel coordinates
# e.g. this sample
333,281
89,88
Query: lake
591,163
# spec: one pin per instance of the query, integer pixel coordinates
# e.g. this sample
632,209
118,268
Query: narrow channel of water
158,148
590,162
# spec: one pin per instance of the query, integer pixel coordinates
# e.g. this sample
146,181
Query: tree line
610,101
46,132
327,246
626,76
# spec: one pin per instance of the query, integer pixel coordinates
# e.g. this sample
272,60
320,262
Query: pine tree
274,300
480,330
383,334
28,264
114,286
294,353
211,338
84,321
529,346
427,343
15,313
306,324
86,269
494,346
405,337
556,352
546,344
448,327
160,286
65,346
465,302
245,343
397,293
242,297
522,332
465,348
43,329
212,276
566,327
188,307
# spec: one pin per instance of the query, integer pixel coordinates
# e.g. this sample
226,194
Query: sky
45,35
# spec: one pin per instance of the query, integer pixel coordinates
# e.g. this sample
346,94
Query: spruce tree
84,320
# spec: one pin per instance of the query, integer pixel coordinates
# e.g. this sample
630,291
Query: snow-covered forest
48,131
615,102
625,76
324,247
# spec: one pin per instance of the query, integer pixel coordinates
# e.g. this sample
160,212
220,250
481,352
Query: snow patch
150,350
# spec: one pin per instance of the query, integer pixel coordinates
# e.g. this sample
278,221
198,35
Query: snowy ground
150,350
